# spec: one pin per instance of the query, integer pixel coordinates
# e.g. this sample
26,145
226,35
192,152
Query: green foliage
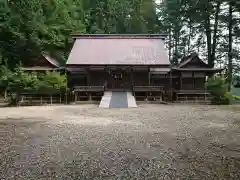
218,87
30,27
236,97
5,74
20,80
53,80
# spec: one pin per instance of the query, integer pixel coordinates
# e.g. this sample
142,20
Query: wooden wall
193,80
75,79
96,78
140,78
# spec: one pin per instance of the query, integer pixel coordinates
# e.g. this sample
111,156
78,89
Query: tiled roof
120,50
51,60
187,59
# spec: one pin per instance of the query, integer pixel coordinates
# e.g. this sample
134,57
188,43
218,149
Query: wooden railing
88,88
147,88
192,91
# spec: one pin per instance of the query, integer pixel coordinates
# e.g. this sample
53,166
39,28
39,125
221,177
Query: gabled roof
118,50
51,60
202,66
188,59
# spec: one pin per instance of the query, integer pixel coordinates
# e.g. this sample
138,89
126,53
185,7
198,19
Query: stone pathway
118,100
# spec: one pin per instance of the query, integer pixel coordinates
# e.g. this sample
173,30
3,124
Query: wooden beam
171,91
132,79
193,80
180,80
149,77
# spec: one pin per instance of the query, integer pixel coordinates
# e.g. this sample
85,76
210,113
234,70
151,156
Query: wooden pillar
149,80
171,88
105,77
90,96
75,94
149,77
146,96
88,81
180,80
132,79
88,78
193,80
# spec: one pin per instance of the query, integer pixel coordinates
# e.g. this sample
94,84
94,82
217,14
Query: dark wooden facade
136,63
96,79
189,77
185,82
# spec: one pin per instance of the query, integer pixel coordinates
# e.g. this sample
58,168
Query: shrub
218,87
18,80
52,80
236,97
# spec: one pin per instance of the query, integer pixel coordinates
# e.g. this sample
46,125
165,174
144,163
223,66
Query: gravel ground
150,142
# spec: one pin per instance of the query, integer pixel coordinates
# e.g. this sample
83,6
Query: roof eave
69,64
191,69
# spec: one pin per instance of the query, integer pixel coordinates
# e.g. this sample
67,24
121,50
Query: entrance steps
105,101
118,99
131,100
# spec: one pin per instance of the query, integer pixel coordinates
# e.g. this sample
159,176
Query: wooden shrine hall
137,64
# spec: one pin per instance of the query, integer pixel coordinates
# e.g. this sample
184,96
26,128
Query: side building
42,63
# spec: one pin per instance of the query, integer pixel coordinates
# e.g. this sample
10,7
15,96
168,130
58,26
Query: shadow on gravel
23,121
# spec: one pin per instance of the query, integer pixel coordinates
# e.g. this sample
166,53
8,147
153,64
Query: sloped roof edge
188,59
50,59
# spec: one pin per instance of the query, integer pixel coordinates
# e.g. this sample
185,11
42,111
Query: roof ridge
189,58
120,36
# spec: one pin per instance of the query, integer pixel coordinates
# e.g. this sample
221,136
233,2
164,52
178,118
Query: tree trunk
208,32
230,28
170,44
189,37
106,17
176,35
213,56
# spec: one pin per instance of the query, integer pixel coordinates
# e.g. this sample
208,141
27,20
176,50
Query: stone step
105,101
118,100
131,100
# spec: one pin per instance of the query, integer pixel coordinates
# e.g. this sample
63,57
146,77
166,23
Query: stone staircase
105,101
131,100
118,100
